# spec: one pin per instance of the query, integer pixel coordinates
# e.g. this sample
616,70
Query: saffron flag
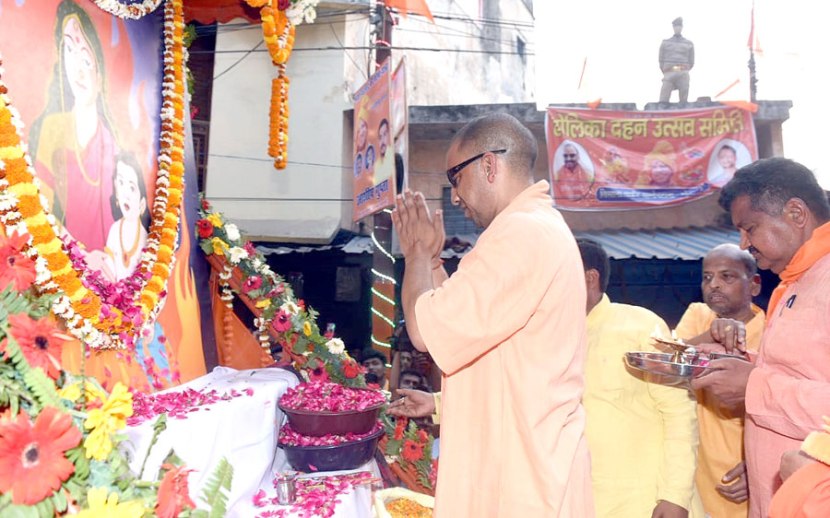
411,6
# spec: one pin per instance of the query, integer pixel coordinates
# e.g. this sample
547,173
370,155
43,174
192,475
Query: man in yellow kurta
729,283
642,436
508,331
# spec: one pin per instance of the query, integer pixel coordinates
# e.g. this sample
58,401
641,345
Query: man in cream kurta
642,435
508,331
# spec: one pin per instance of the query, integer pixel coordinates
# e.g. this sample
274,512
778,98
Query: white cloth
244,430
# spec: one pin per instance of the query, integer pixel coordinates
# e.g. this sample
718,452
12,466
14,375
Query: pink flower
254,282
319,373
282,322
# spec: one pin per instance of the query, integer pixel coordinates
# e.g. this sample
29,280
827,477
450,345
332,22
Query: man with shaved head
507,330
730,280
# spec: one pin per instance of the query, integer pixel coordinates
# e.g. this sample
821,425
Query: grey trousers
675,80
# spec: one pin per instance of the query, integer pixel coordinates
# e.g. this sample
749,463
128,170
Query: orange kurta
789,390
721,431
508,331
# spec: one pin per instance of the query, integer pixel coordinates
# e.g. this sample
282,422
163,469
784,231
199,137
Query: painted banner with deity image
612,160
91,113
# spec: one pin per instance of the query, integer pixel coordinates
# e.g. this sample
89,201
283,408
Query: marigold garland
278,31
22,208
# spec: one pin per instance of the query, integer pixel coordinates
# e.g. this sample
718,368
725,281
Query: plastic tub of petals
348,455
318,409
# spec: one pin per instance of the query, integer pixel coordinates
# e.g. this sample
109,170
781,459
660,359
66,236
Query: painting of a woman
72,143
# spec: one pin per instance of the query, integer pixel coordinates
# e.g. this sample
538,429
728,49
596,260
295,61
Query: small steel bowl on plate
666,364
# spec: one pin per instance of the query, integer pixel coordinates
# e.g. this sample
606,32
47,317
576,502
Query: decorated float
105,405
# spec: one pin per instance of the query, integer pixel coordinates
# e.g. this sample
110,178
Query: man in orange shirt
730,280
507,330
784,219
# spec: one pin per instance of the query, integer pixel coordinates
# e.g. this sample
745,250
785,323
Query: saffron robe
508,331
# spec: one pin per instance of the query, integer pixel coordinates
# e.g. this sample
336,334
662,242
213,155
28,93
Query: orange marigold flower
155,284
41,233
32,460
29,206
40,341
160,270
16,171
57,262
174,198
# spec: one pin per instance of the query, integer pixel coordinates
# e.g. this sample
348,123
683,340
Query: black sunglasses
452,172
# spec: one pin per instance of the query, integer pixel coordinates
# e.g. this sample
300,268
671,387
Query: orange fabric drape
805,257
411,6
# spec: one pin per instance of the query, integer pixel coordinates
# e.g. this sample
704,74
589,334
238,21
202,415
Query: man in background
375,364
677,57
730,280
642,435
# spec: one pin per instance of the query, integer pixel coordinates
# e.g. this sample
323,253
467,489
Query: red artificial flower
39,340
282,321
423,436
411,450
254,282
400,427
319,373
32,460
282,5
173,495
301,304
351,369
205,205
250,248
205,228
15,268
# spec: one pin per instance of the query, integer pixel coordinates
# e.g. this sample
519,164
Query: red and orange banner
604,159
374,155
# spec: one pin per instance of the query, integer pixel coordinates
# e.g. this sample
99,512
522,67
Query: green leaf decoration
100,475
20,511
42,387
45,508
159,426
60,502
77,456
215,492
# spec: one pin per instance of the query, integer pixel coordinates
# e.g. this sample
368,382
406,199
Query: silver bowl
668,364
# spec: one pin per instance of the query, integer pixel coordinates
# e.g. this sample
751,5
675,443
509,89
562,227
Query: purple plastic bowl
315,424
348,455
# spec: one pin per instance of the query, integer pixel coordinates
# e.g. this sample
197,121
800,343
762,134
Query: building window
521,49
